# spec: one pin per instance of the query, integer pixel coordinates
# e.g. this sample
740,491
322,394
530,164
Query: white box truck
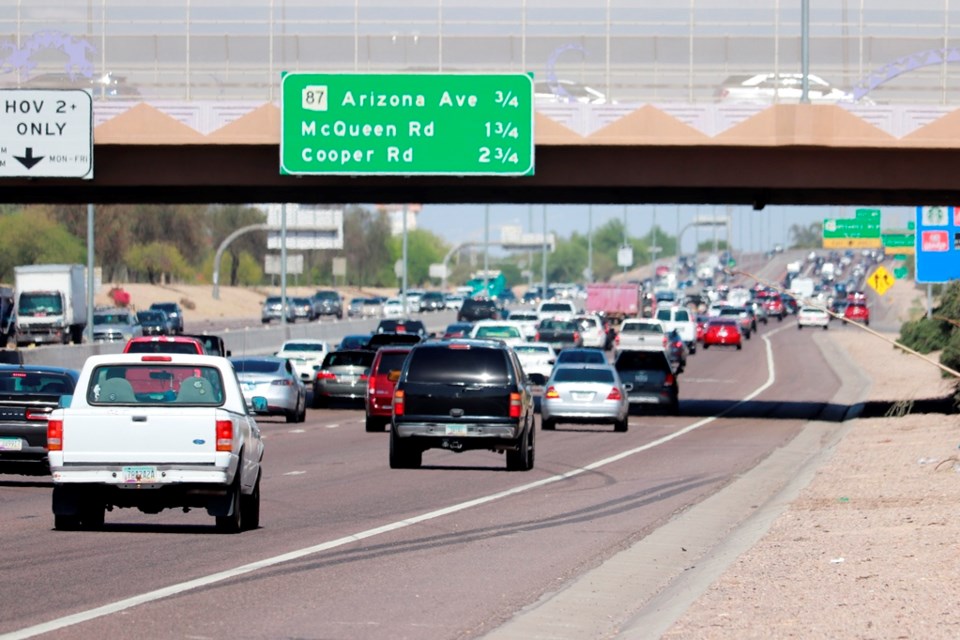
51,304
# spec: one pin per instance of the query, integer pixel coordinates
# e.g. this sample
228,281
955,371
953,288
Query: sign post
46,133
406,124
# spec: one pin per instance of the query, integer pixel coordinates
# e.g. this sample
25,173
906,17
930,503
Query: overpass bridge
228,152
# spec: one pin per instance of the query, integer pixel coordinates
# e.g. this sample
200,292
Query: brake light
665,341
37,414
551,393
156,359
224,435
615,394
364,376
398,402
515,405
576,336
668,380
326,375
537,339
55,435
616,340
372,385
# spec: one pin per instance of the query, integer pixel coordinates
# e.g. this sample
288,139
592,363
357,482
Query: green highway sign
406,124
899,240
861,232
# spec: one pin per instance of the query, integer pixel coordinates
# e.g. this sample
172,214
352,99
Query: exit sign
406,124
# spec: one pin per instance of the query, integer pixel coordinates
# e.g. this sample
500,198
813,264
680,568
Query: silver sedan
274,379
584,393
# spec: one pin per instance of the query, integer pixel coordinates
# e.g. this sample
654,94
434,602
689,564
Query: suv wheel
522,459
375,424
404,455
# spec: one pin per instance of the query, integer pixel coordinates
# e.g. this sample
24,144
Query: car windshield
576,374
442,364
155,383
348,358
304,346
111,318
17,381
498,332
151,316
38,304
586,356
257,366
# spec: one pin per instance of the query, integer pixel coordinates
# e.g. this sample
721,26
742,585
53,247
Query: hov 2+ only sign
46,133
406,124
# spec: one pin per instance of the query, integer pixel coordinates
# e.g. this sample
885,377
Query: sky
750,230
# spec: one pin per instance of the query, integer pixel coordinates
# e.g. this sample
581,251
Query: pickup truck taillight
224,435
515,405
398,402
55,435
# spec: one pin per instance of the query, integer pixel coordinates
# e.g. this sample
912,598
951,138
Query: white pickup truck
155,432
679,318
640,334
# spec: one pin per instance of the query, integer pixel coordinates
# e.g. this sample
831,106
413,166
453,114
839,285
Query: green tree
158,261
806,237
32,236
423,249
366,246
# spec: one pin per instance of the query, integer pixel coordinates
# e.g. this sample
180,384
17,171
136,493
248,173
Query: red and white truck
614,300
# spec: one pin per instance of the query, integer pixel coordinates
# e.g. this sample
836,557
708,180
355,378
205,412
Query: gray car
274,379
342,376
115,325
584,393
272,310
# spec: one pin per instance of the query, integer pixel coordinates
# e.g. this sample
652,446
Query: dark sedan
649,379
28,393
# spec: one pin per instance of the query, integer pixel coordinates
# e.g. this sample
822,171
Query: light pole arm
223,247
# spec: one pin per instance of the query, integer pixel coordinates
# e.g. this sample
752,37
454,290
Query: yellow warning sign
880,280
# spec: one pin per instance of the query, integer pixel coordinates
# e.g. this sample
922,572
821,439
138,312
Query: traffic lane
550,533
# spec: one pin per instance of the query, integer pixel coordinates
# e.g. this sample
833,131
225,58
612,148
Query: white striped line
190,585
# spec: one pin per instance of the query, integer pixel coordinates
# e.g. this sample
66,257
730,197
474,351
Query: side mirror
259,404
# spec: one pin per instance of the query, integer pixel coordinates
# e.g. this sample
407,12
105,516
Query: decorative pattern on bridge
893,126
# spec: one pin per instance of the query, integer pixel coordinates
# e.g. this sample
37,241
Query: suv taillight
224,435
55,435
515,405
668,380
398,402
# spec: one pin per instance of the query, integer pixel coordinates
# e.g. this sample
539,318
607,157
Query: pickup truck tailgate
155,435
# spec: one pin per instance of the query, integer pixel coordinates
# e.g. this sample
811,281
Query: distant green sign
851,228
899,240
900,273
406,124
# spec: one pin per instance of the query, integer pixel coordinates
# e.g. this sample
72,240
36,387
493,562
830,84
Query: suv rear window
391,361
443,363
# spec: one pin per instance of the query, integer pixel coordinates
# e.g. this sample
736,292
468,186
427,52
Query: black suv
461,395
327,302
174,314
432,301
474,309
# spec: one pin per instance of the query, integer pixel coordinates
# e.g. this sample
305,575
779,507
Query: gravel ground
870,548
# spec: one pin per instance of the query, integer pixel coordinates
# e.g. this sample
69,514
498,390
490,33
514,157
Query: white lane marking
294,473
333,425
297,431
197,583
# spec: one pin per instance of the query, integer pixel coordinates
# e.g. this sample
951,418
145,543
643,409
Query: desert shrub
925,335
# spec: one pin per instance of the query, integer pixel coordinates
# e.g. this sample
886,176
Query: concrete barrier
249,341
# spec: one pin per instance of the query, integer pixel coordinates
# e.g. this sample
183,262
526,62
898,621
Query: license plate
139,474
583,396
644,400
11,444
456,430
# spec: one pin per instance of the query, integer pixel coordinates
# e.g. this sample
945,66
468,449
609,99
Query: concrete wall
256,341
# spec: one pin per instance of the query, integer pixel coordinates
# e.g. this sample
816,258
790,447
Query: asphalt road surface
349,548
